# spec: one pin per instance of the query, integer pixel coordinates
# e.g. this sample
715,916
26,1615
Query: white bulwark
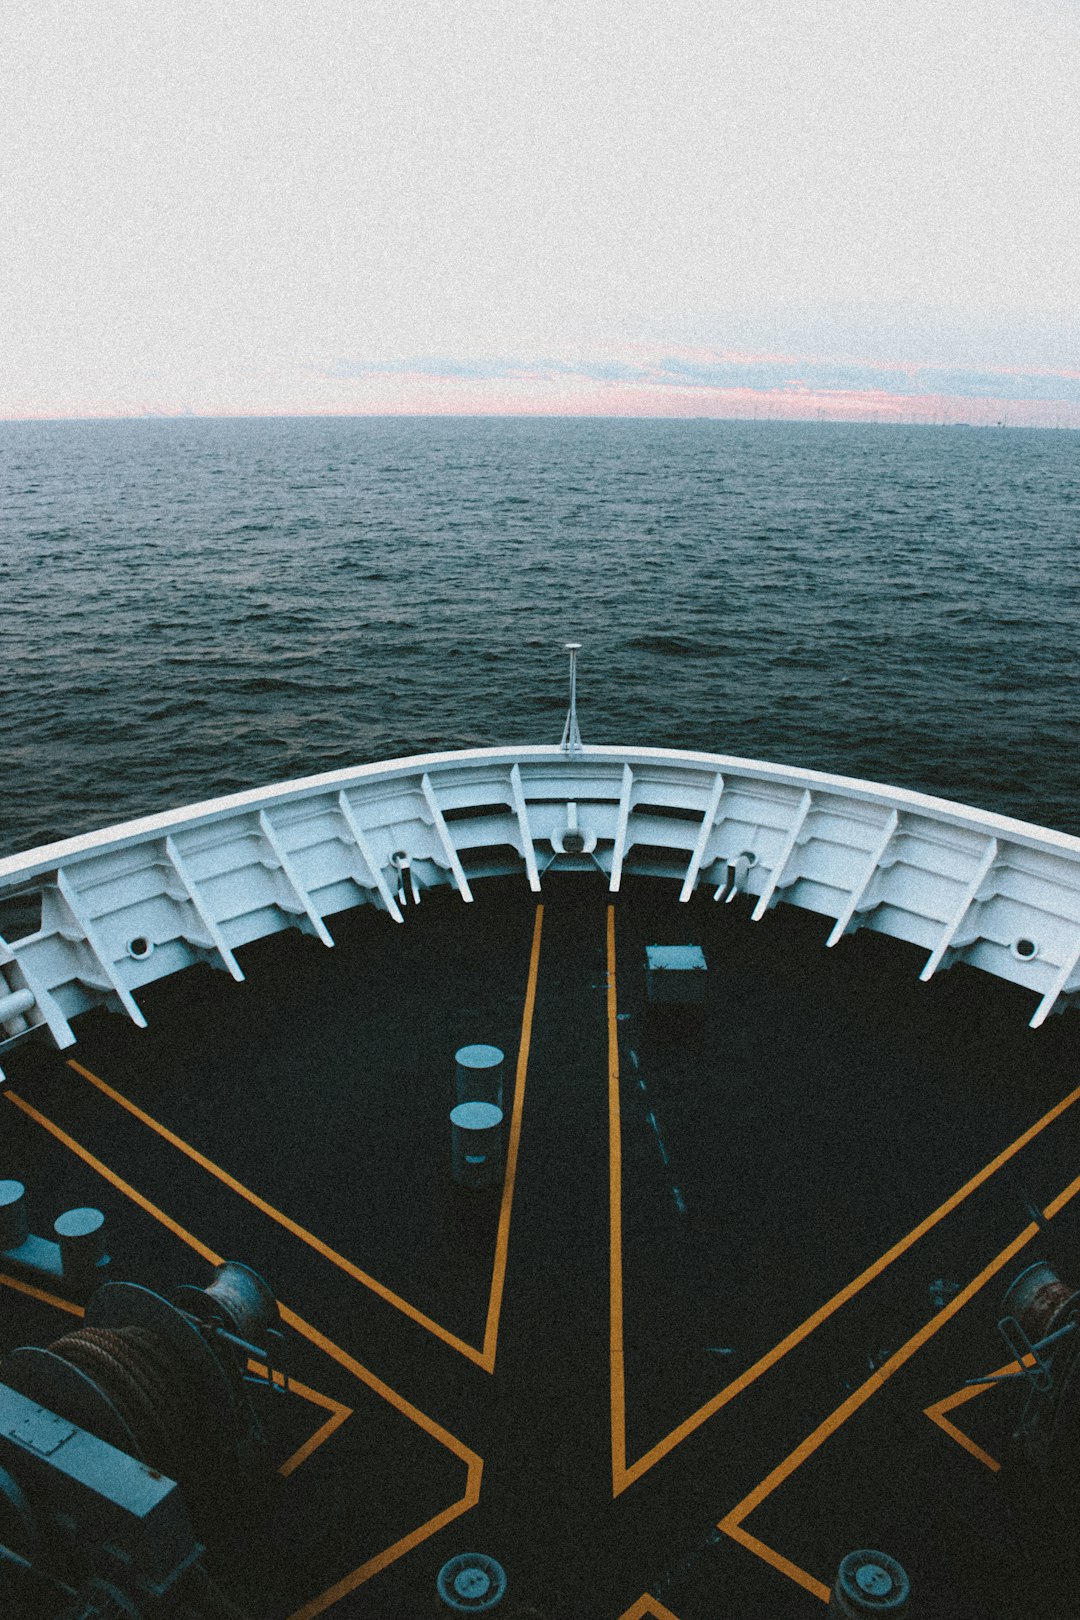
136,902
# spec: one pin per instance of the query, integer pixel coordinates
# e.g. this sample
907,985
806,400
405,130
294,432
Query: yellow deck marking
647,1605
468,1499
619,1479
39,1293
625,1476
484,1357
769,1555
732,1524
337,1409
391,1396
936,1412
502,1241
116,1181
349,1583
474,1464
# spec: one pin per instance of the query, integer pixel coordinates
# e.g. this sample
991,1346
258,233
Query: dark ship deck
706,1338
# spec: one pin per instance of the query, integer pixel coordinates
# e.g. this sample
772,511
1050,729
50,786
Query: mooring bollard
476,1144
13,1229
478,1074
81,1236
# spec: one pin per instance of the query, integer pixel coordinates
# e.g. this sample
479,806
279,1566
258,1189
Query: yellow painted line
732,1523
302,1453
349,1583
469,1498
337,1409
502,1241
848,1292
484,1357
936,1412
769,1555
276,1215
21,1287
619,1479
474,1464
648,1605
1058,1204
391,1396
117,1181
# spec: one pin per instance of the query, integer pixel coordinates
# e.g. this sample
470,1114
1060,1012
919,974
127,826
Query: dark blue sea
197,606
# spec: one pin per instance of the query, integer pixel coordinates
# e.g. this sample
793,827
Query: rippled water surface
191,607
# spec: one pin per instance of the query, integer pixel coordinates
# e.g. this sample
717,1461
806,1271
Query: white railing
133,903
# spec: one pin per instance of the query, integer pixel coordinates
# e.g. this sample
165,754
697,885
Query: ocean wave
268,606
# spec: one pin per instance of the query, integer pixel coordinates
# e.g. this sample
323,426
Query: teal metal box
675,973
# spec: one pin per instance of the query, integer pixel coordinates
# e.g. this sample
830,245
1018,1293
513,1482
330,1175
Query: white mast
571,737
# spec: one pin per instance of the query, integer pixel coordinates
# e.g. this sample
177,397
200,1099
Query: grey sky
240,206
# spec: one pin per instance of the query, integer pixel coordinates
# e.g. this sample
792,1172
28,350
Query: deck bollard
869,1583
81,1236
13,1230
478,1075
476,1144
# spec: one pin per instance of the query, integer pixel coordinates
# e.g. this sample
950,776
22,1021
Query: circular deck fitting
140,947
869,1583
13,1229
478,1075
476,1144
1024,950
81,1236
471,1583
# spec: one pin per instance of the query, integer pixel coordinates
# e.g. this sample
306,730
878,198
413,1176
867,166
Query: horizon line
814,420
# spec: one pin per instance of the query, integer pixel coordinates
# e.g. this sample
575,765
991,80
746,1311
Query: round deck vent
140,947
471,1583
869,1583
1025,950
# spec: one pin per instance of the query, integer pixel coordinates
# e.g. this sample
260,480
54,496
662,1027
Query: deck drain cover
870,1583
472,1583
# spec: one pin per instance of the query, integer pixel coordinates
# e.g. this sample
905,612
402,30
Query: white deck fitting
179,866
708,822
197,883
521,810
288,871
858,893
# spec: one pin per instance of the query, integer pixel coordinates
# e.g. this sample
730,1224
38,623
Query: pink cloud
539,393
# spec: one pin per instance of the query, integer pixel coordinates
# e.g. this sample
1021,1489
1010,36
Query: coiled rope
152,1390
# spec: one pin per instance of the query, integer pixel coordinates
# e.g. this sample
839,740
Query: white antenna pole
571,737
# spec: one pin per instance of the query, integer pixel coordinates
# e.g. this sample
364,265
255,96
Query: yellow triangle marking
483,1356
